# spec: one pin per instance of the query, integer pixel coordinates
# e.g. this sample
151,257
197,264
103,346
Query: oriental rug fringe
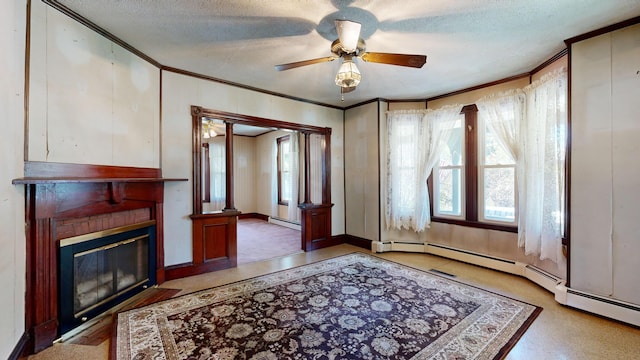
355,306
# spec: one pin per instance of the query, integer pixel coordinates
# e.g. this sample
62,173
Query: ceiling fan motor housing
338,49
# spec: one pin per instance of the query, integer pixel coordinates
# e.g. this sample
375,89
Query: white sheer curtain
294,161
532,125
505,114
217,178
316,149
545,132
415,139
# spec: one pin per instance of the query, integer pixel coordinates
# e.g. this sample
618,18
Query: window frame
471,182
279,154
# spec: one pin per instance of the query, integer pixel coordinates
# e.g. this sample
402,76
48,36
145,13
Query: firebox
101,270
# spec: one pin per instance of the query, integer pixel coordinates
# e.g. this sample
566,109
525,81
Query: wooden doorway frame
218,231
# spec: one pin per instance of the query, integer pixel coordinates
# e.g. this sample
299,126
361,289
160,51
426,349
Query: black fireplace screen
100,270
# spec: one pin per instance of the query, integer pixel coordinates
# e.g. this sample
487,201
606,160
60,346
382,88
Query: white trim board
284,223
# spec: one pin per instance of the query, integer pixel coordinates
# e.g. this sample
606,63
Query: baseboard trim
254,216
357,241
180,271
604,306
20,348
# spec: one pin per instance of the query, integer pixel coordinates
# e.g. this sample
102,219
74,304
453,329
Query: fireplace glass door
99,273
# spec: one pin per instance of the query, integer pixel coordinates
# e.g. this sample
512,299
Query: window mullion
471,162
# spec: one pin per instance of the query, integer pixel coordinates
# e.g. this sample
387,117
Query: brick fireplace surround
66,200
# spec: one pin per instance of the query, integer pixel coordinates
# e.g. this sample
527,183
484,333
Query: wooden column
229,201
307,168
326,168
206,169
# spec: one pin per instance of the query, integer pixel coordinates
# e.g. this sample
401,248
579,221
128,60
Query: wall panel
591,170
244,164
12,198
94,102
625,92
361,171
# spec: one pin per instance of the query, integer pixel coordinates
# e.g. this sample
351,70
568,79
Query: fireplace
67,205
102,269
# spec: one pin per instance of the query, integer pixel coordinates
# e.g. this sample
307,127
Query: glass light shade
348,74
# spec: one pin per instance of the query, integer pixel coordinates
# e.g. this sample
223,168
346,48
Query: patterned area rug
355,306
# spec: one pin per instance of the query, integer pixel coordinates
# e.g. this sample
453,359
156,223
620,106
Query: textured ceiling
467,42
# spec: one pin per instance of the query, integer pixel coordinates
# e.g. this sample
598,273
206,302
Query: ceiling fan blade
348,33
296,64
344,90
416,61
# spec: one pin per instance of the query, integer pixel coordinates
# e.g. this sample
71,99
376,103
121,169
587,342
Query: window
217,173
449,172
474,181
496,177
284,170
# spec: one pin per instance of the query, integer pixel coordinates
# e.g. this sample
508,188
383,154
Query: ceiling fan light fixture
348,75
208,130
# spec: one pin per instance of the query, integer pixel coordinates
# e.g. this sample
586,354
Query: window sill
476,224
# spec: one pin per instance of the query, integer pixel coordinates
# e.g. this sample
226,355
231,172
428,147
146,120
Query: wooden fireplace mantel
58,192
51,180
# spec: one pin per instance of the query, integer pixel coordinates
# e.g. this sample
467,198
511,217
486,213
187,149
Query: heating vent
605,306
609,301
542,278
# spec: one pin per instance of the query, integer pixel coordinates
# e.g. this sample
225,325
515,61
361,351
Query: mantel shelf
55,180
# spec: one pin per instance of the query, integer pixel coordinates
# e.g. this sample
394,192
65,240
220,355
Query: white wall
264,173
244,164
90,101
605,172
179,93
12,236
361,171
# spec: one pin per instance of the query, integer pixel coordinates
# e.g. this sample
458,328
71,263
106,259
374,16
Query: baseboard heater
285,223
608,307
601,305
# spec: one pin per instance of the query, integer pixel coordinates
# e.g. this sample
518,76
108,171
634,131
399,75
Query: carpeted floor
260,240
352,306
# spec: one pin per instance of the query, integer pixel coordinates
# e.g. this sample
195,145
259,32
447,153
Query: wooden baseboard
253,216
21,347
357,241
188,269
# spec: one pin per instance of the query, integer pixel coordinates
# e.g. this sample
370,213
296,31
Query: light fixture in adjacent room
208,131
348,75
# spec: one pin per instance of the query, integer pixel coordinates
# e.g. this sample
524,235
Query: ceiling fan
349,46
